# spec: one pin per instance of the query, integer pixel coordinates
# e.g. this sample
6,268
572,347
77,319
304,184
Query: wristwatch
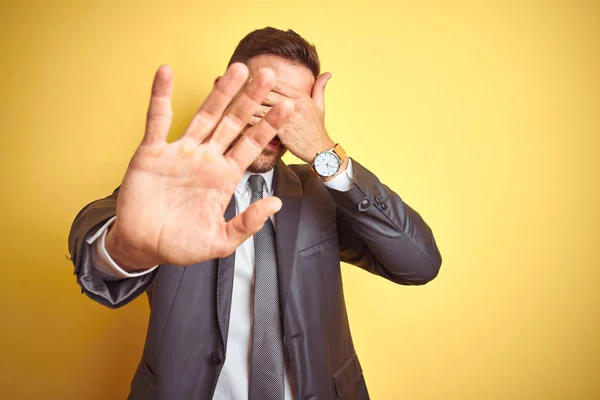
327,163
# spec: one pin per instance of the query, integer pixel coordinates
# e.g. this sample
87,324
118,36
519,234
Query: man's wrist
327,145
123,257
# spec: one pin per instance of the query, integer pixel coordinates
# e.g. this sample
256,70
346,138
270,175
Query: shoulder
312,185
310,181
303,172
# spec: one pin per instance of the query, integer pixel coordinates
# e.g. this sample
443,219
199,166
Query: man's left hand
304,134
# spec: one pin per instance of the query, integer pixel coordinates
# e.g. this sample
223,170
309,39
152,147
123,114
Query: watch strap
341,153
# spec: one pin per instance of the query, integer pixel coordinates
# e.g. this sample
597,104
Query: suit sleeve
383,235
109,292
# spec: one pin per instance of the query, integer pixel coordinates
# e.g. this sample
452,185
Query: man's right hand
171,203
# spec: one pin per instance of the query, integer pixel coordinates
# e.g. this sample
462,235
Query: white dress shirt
233,380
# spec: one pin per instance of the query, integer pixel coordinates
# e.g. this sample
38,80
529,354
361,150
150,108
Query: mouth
275,144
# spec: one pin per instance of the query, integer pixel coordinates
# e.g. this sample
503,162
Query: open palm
171,203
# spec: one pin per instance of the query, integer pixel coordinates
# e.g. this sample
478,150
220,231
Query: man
240,254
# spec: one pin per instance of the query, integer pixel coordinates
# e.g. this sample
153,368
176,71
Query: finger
261,111
210,112
242,108
254,120
246,224
318,91
256,138
273,99
160,114
288,90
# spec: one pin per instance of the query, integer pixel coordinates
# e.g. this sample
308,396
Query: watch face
327,164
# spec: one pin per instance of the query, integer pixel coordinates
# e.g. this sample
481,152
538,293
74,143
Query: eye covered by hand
304,133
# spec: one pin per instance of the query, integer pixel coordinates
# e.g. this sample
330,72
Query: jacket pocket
322,245
346,377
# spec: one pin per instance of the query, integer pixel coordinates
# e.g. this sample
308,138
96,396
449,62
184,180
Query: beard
266,160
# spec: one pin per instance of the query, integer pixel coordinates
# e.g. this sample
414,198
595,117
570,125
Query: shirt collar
242,186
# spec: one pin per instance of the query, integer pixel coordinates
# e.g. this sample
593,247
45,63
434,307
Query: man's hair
285,44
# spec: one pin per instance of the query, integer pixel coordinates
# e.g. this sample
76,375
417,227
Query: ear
318,91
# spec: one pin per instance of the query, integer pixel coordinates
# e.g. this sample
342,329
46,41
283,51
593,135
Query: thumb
243,225
318,92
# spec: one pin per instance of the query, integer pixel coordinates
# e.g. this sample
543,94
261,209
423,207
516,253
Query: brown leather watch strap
341,153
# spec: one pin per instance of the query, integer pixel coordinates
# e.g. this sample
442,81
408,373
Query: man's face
295,75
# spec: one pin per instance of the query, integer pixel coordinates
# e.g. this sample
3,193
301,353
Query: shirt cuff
344,181
103,262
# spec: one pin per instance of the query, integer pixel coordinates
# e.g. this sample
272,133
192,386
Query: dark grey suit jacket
369,226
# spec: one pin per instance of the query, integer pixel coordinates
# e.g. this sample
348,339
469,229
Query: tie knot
256,183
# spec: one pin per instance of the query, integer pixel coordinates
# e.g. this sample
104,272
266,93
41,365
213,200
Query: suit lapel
287,223
225,275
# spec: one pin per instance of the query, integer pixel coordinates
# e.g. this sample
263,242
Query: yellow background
483,115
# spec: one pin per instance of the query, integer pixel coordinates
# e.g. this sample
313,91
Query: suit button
378,199
384,206
364,204
216,358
